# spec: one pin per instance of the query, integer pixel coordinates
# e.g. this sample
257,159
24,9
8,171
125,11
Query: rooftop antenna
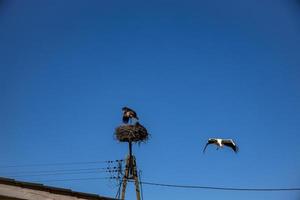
131,133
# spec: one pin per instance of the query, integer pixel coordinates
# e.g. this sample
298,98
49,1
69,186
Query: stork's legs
132,121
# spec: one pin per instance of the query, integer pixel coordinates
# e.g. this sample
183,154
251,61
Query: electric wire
60,164
120,181
74,179
62,170
119,189
141,184
114,169
181,186
220,188
63,173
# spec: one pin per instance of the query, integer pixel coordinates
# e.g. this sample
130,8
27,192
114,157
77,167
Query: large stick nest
131,133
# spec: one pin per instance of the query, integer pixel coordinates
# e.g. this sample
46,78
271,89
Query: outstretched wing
210,141
230,143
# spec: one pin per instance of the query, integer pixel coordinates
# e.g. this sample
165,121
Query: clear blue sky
191,69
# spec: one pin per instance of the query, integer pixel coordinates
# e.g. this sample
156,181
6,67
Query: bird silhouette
221,143
129,114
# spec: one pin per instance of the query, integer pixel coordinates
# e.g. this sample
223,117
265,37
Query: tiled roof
50,189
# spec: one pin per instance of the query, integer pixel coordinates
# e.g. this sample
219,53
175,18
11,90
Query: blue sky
191,69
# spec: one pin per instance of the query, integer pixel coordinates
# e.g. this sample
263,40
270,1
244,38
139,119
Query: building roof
50,189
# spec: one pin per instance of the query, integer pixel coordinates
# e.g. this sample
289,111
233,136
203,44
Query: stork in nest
220,143
129,114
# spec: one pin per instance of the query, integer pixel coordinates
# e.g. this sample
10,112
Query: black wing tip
205,147
237,149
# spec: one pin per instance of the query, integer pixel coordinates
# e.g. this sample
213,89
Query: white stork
221,143
129,114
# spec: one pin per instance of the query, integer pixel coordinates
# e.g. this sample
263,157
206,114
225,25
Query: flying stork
221,143
129,114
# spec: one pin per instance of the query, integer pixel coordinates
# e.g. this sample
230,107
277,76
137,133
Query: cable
119,189
120,180
64,170
185,186
141,184
221,188
74,179
64,173
59,164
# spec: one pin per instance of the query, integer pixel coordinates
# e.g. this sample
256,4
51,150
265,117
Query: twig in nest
131,133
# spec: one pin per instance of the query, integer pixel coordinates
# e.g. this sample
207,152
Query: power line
59,164
119,189
182,186
120,181
74,179
64,173
63,170
140,180
220,188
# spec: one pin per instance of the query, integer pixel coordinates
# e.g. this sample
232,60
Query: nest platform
131,133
